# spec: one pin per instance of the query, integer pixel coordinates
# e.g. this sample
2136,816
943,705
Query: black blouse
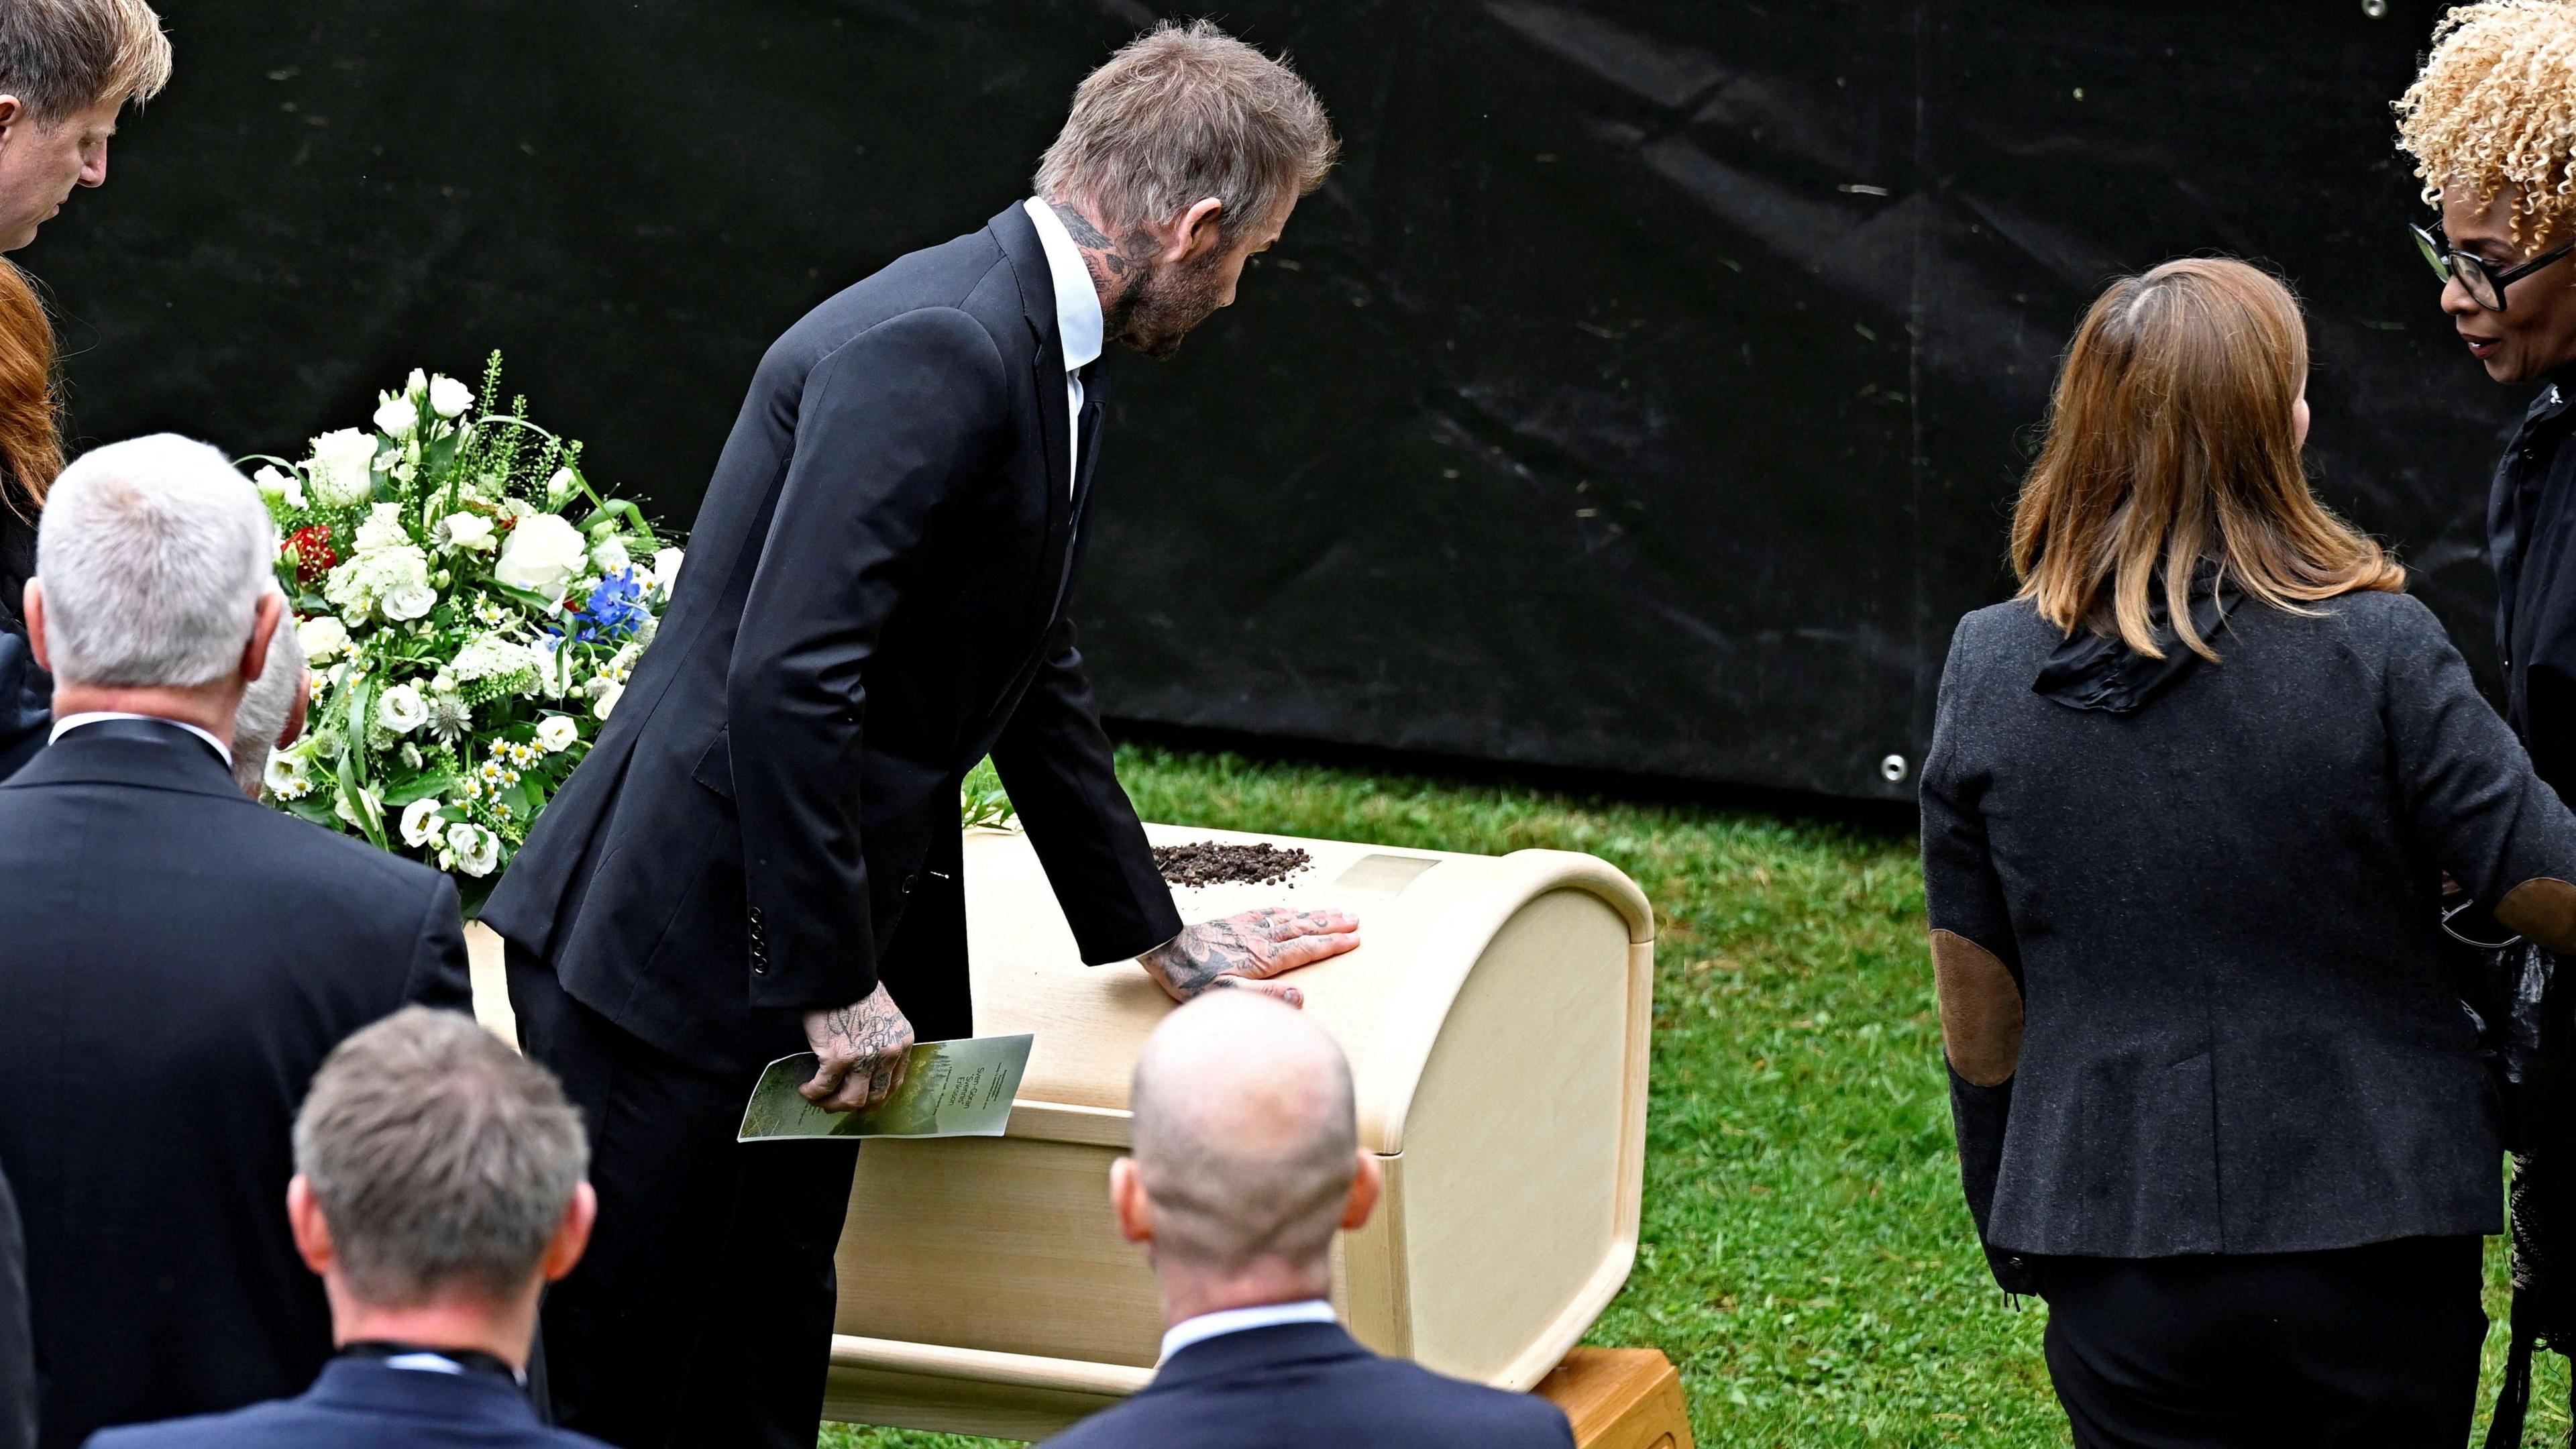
2188,955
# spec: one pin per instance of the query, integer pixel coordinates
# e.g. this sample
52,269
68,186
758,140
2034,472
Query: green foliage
1806,1257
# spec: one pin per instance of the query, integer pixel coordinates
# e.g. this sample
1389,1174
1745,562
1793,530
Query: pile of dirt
1209,862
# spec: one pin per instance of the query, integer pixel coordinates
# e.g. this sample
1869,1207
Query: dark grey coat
2190,966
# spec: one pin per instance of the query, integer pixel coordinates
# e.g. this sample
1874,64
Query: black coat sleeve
17,1338
2468,789
887,426
1963,898
440,974
26,713
1058,767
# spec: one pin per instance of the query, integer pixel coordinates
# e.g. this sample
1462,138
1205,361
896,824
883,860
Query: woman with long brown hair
31,453
2186,815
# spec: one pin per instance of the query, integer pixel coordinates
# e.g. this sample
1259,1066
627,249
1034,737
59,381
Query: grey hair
441,1159
1246,1134
61,56
153,554
1181,113
267,705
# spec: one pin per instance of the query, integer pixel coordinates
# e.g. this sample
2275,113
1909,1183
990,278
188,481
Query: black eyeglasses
2484,283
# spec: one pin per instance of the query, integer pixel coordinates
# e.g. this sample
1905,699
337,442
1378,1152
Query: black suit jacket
873,601
1311,1386
17,1347
364,1402
179,961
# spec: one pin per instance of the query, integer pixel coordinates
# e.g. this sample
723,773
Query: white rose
469,530
343,467
322,637
556,732
448,397
477,849
666,568
608,699
610,555
396,417
383,529
420,823
542,554
409,599
401,709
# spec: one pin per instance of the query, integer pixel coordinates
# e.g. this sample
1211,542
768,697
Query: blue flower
614,611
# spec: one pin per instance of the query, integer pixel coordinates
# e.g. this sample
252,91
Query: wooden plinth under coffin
1496,1020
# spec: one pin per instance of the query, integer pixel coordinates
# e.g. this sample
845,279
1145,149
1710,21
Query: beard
1163,305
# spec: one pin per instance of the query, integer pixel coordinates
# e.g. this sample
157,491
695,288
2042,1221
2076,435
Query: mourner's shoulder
2009,632
957,297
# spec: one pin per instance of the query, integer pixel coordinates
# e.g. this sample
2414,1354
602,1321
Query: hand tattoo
1216,955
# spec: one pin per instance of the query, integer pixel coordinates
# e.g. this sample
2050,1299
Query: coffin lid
1425,919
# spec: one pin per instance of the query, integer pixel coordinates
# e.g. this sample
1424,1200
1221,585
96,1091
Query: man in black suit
1246,1162
179,961
438,1188
761,853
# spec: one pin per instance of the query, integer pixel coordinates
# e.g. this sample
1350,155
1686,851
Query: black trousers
2375,1346
702,1314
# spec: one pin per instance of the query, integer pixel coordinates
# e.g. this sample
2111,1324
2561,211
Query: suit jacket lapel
1018,237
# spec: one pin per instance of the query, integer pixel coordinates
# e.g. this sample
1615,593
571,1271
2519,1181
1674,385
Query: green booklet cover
950,1089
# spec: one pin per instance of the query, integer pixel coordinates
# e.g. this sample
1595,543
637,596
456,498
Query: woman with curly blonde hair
2491,125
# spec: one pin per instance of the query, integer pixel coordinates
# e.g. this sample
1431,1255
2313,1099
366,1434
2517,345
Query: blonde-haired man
902,505
66,68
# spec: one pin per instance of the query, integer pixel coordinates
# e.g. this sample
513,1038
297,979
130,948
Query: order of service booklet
950,1089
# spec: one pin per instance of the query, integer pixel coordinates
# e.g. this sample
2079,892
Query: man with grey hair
272,710
902,509
179,959
438,1188
1246,1163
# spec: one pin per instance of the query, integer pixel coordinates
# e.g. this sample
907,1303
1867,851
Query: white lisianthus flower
666,568
383,529
557,732
286,777
279,486
608,699
560,487
396,417
322,636
420,823
610,555
448,397
542,554
477,850
366,802
344,468
416,384
401,709
469,530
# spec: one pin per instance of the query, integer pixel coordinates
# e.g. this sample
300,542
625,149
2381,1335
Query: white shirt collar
1077,306
71,722
1237,1320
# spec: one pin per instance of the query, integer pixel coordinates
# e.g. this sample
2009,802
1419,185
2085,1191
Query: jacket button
2015,1263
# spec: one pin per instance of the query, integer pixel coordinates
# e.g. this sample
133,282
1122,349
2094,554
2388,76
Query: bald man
1247,1161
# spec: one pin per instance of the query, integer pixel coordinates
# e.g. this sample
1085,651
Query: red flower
310,547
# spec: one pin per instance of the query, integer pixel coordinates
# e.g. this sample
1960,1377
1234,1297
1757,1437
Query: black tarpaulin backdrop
1645,392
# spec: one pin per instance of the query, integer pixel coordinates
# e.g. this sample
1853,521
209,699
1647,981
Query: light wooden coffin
1496,1022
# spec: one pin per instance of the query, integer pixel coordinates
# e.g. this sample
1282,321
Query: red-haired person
2186,814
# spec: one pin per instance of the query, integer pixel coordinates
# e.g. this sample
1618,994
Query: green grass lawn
1806,1258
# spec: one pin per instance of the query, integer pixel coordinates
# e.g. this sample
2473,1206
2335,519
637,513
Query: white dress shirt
1237,1320
1078,322
71,722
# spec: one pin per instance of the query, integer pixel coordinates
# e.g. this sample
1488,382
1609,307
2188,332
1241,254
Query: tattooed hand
1243,952
863,1047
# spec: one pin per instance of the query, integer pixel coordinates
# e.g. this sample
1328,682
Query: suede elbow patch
1981,1011
2541,910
